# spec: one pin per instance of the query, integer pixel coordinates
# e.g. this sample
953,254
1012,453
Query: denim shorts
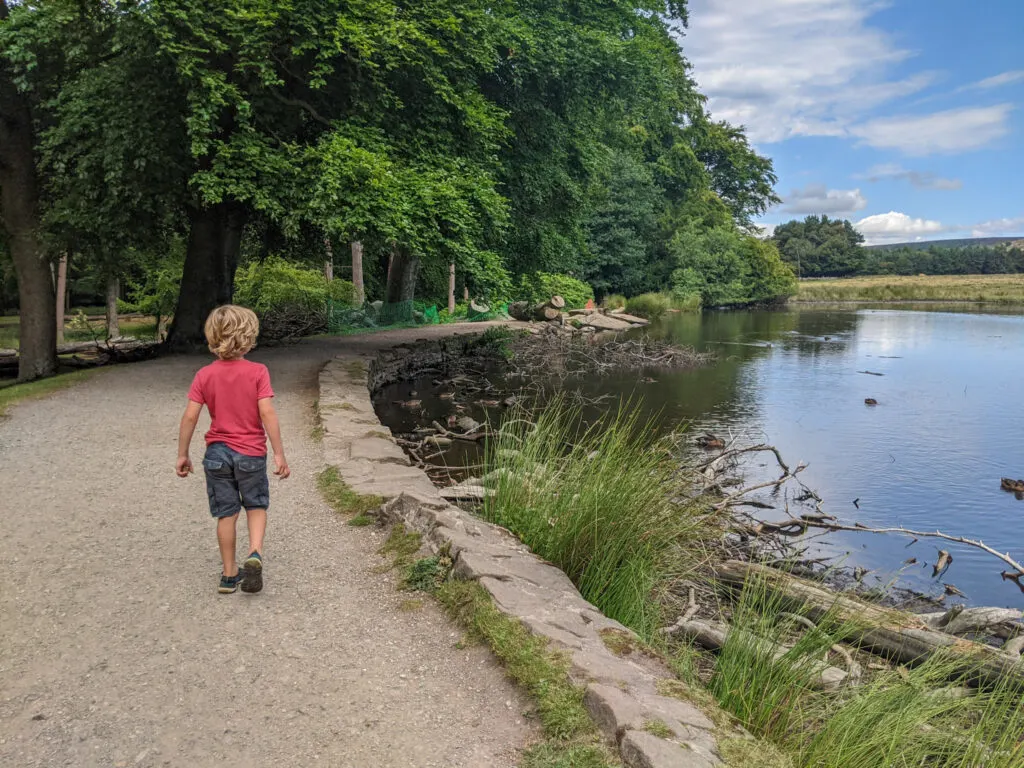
234,480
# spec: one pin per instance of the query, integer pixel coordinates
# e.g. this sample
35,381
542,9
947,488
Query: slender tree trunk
329,263
113,322
451,289
215,239
61,296
19,212
357,273
465,293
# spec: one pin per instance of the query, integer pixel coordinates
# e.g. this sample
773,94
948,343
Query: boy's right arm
185,431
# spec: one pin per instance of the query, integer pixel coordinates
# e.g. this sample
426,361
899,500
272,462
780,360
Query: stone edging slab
621,692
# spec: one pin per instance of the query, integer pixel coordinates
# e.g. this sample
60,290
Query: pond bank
623,692
743,661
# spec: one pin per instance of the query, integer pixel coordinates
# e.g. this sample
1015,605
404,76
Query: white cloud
817,199
919,179
996,81
955,130
895,227
787,68
999,228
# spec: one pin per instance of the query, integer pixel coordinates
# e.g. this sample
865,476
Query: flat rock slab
640,749
632,319
377,449
605,323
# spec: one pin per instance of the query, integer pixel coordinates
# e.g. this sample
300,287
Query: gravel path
116,650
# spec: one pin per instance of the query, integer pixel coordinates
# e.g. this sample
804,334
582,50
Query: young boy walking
238,395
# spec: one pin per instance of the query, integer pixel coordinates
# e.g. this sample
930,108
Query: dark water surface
930,456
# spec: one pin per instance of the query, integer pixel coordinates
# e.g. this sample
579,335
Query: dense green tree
728,268
820,247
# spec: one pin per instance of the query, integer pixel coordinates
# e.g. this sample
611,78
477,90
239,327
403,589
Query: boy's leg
257,522
226,541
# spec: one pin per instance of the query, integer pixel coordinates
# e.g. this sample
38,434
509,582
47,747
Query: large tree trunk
359,295
113,322
62,294
402,277
211,259
19,212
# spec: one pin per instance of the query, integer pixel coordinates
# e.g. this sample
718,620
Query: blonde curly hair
231,331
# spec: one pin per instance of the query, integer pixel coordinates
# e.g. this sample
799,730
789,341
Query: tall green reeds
925,717
596,502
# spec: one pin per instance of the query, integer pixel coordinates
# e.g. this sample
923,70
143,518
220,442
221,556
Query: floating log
898,636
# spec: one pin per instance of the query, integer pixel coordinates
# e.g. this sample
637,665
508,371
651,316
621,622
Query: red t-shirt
232,389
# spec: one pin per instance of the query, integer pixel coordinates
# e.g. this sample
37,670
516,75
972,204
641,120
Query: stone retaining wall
622,691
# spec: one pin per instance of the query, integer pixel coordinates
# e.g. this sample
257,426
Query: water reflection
930,455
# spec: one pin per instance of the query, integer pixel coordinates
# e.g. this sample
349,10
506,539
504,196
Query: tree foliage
508,139
820,247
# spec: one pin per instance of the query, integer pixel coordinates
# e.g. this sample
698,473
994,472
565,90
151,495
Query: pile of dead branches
560,353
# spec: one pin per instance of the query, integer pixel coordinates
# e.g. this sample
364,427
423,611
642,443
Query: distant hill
961,243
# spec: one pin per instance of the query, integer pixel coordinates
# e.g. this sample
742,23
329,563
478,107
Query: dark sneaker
229,584
252,573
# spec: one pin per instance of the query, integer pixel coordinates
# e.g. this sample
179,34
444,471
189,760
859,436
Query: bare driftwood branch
899,636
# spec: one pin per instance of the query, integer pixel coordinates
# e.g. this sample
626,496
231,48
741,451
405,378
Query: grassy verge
338,494
15,393
571,738
142,328
996,289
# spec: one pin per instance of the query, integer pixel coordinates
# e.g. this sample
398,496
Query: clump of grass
402,545
741,752
362,520
15,393
572,738
614,301
428,573
904,718
339,495
659,729
410,605
596,502
649,305
897,718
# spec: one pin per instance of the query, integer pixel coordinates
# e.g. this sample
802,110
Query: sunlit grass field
997,289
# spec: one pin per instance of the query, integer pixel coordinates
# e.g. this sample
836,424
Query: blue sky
906,116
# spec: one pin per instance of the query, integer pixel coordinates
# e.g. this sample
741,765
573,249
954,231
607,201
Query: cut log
711,636
520,310
898,636
543,312
557,302
479,307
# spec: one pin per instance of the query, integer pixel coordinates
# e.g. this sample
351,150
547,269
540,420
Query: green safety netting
499,312
342,317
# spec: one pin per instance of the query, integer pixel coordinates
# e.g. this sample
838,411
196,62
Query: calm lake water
947,427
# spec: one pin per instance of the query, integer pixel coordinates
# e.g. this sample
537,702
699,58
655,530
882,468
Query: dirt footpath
117,650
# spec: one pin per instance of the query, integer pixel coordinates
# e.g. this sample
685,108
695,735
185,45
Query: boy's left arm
189,420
